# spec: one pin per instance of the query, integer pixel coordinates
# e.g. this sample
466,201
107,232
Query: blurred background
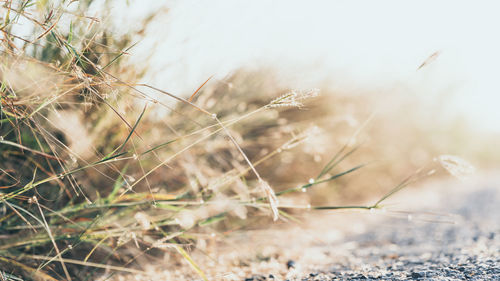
358,47
422,75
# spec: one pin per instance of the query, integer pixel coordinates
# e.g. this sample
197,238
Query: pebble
290,264
416,275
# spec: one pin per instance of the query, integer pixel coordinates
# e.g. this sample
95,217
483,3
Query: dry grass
96,174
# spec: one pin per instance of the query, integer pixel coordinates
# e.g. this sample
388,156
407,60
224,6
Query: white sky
352,44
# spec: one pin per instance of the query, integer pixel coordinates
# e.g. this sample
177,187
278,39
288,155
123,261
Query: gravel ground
448,231
395,249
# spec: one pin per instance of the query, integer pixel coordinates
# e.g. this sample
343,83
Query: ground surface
448,230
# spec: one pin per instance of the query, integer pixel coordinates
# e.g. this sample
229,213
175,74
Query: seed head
456,166
293,98
271,197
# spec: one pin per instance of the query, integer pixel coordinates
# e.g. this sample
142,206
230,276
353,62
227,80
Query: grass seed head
456,166
293,98
271,197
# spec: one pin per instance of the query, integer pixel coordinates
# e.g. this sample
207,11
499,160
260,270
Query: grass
91,180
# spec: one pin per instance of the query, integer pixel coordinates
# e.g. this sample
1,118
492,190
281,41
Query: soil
447,230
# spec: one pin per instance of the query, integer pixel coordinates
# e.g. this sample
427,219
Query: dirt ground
446,230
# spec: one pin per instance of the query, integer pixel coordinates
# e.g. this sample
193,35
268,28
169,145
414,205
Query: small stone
416,275
290,264
256,278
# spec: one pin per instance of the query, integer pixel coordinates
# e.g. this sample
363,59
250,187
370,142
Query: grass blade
191,262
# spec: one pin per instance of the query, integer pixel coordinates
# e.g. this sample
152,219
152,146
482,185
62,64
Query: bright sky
352,44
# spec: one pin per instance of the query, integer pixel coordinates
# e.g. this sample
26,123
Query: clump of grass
91,181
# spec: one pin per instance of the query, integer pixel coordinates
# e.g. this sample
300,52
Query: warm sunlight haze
249,140
367,45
